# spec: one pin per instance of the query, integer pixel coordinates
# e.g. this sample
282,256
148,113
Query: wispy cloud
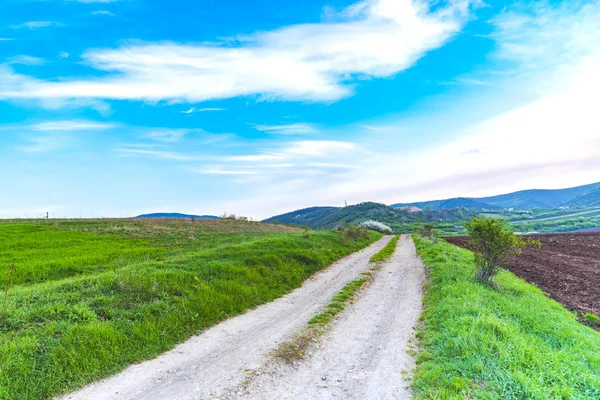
3,39
167,135
286,161
552,44
164,155
42,144
299,149
102,12
464,81
25,60
287,129
280,160
70,125
63,54
208,109
219,171
306,62
36,24
94,1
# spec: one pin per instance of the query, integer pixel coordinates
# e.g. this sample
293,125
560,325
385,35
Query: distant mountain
540,198
590,199
313,217
176,215
448,204
524,199
399,220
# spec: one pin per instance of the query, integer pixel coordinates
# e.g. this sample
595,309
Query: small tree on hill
494,245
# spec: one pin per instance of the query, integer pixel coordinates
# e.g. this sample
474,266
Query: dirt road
362,356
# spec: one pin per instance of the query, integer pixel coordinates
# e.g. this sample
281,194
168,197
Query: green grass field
511,342
42,254
91,297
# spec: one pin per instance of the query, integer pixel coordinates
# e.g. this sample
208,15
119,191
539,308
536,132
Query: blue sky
119,107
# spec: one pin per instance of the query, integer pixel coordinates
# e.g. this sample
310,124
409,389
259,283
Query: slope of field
567,267
61,334
401,221
511,342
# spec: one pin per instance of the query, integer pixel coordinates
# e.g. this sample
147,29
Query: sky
113,108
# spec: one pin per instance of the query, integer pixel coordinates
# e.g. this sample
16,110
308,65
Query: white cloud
279,161
63,54
167,135
36,24
102,12
207,109
300,149
70,125
540,34
95,1
25,60
285,161
287,129
219,171
164,155
309,62
5,39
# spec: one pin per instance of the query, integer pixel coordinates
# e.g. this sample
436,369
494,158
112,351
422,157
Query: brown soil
567,268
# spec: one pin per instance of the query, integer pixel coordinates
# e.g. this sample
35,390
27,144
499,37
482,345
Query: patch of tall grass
511,342
41,254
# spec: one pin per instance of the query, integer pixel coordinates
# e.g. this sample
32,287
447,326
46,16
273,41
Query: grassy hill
401,221
85,299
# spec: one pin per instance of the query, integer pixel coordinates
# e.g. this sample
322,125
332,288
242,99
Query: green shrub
494,245
353,232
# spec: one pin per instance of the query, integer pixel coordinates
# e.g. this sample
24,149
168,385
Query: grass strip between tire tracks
386,252
298,347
